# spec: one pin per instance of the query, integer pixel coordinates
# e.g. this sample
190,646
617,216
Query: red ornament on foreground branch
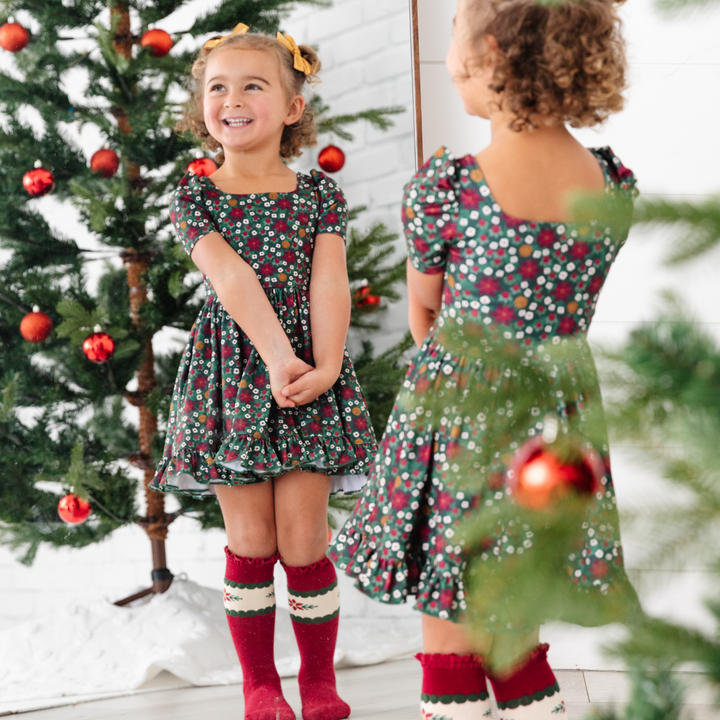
158,42
541,474
36,326
13,37
202,167
73,510
331,159
98,347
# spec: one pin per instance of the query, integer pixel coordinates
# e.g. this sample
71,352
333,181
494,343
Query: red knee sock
531,692
453,688
250,608
314,609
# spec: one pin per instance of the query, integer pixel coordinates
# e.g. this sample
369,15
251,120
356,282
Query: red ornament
106,162
36,326
73,510
329,534
538,477
98,347
331,159
202,167
39,182
364,300
158,41
13,36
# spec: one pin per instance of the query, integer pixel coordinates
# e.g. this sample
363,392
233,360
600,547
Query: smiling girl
266,407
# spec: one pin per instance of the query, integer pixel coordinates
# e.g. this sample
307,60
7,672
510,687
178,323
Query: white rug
103,649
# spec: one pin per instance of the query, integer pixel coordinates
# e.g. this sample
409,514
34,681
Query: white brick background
365,49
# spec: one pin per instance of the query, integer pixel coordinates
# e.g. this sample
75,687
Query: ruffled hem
391,580
244,460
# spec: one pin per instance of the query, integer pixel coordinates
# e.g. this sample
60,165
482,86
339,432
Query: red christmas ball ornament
13,36
39,182
98,347
106,162
202,167
73,509
538,477
331,159
158,41
36,326
364,300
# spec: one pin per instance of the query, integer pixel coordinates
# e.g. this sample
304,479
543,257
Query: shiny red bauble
98,347
158,42
13,36
538,477
39,182
202,167
73,509
106,162
364,300
36,326
331,159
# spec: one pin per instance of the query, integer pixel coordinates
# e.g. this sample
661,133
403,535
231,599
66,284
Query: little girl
262,415
492,242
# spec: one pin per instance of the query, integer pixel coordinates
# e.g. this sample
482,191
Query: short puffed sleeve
189,212
623,178
333,206
430,212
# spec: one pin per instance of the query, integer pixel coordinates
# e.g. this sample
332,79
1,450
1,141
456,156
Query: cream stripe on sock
248,600
315,607
548,707
469,710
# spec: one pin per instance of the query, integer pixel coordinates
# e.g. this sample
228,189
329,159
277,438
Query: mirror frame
417,94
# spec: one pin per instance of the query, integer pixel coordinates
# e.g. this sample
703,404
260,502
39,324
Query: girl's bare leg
249,515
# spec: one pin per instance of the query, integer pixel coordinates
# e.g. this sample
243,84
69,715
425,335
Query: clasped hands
293,382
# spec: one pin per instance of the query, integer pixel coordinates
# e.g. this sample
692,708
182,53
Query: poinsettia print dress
531,284
224,426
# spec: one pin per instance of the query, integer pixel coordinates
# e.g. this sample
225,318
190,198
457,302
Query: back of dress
532,280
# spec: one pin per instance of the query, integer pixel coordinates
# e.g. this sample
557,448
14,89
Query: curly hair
295,137
564,60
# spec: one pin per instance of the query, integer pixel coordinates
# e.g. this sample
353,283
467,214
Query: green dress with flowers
224,426
527,285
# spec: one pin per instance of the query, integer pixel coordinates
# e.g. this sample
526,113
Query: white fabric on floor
102,648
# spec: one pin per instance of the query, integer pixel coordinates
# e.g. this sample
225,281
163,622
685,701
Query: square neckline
517,220
300,177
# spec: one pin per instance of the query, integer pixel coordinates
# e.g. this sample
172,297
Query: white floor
389,691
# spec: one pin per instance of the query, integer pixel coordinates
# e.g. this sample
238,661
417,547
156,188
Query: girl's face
245,104
471,77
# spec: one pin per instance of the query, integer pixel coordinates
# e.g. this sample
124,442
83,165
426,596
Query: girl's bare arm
329,318
243,297
424,301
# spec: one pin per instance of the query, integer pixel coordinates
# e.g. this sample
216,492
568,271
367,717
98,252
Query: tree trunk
156,521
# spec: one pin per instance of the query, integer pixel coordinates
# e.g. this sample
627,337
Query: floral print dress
224,426
531,284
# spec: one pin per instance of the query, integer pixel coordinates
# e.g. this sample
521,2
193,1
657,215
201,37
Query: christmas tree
67,394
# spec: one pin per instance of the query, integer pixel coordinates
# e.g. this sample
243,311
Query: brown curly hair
295,137
562,59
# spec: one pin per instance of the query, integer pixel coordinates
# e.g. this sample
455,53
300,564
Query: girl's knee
255,537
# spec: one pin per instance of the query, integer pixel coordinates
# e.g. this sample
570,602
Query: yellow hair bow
300,63
240,29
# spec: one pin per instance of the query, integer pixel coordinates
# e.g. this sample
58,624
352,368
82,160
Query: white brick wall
365,49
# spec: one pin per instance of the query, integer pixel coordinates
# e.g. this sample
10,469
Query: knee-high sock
249,600
314,609
531,692
453,688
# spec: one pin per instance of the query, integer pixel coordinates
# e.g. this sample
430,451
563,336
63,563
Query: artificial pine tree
63,419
